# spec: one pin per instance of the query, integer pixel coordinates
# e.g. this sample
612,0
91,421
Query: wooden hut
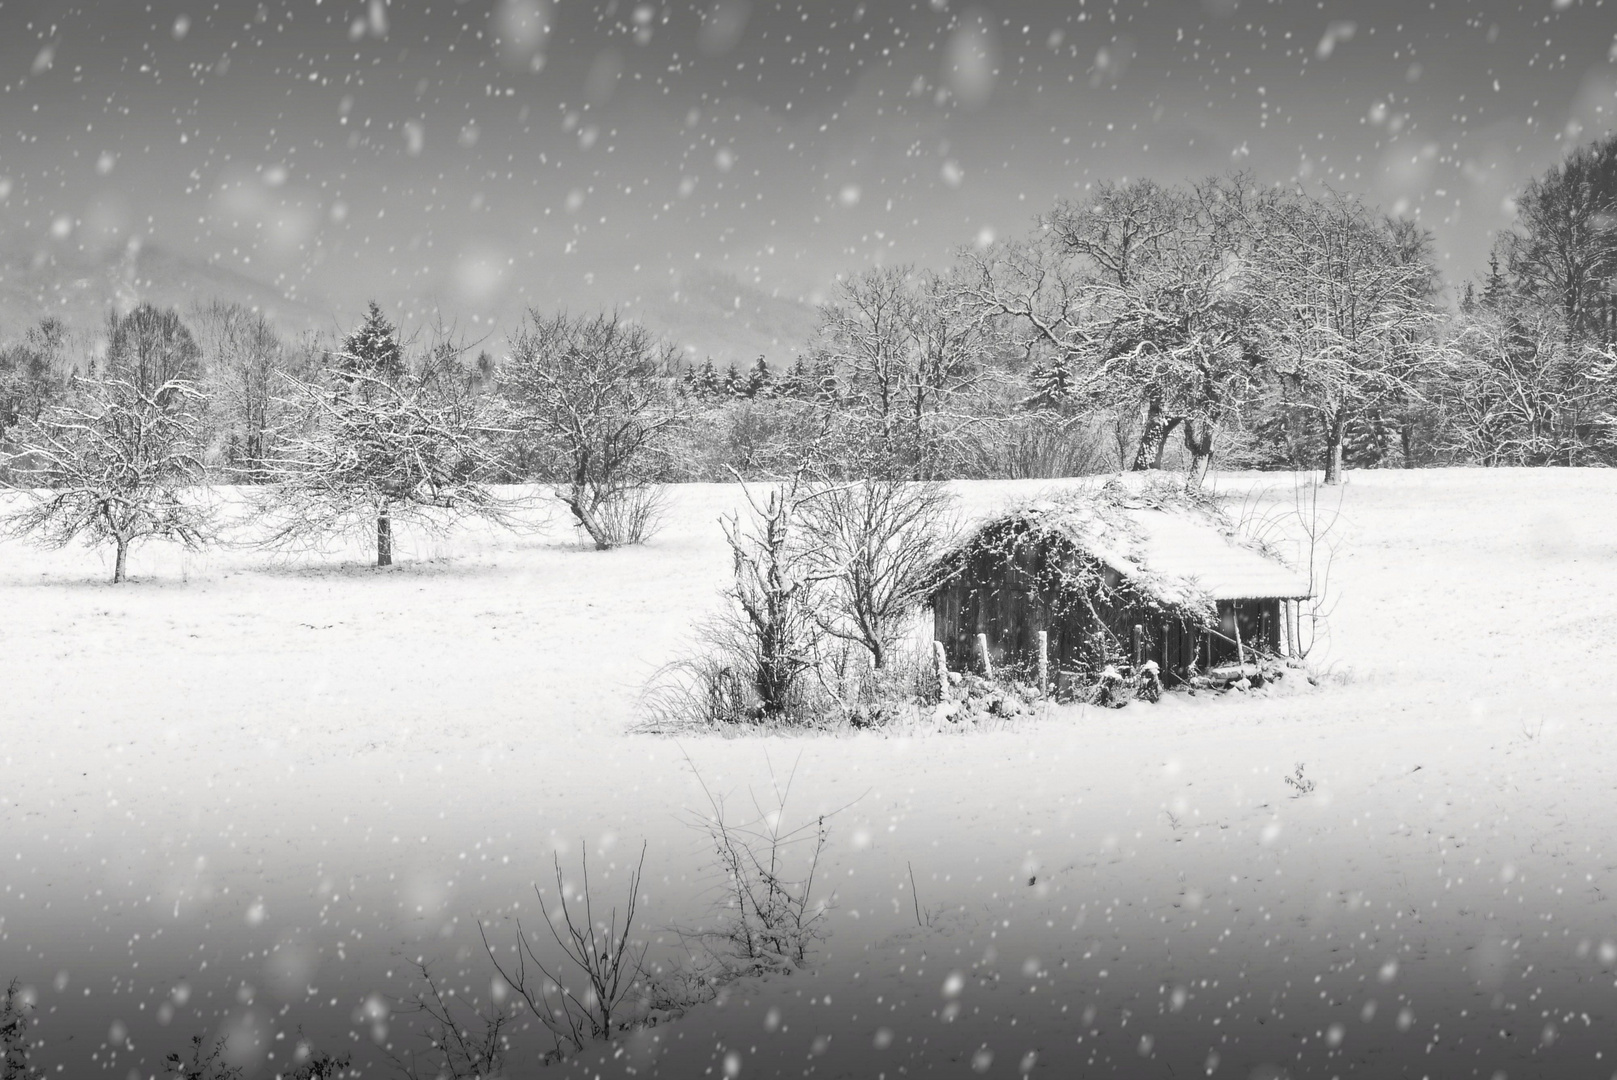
1114,578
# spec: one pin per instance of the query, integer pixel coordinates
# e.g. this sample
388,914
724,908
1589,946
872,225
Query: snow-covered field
241,795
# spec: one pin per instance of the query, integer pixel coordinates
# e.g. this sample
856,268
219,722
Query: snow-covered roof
1176,545
1183,552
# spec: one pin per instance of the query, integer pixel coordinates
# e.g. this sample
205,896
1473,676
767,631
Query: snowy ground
241,795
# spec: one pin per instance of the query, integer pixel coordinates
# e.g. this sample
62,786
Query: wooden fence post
940,663
1139,645
982,653
1044,661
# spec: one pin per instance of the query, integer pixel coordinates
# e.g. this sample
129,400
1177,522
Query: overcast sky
487,154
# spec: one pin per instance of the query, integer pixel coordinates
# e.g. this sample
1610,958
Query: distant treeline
1143,326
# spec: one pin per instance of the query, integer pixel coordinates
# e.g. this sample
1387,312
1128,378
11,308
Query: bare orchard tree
379,443
370,451
875,543
112,464
594,399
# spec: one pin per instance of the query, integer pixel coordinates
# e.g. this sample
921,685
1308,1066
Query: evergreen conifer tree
760,380
1051,383
708,381
794,384
373,349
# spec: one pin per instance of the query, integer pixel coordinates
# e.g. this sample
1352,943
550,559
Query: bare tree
112,464
1514,392
874,543
377,443
1348,310
31,373
370,452
1139,296
593,397
152,348
1562,252
908,350
244,358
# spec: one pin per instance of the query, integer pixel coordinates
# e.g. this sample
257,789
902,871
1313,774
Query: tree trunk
1162,441
586,520
1406,438
1333,449
1152,437
1200,445
119,563
384,539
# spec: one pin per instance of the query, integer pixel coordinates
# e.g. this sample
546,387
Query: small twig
915,896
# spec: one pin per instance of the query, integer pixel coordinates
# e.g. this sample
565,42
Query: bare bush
16,1043
206,1062
1311,528
600,987
1320,535
464,1041
112,465
769,634
770,916
633,514
1039,445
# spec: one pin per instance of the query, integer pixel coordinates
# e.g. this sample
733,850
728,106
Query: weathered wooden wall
1005,591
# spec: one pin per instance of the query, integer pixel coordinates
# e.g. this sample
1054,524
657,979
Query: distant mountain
80,287
708,314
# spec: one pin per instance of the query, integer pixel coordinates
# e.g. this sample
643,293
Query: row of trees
367,434
1266,327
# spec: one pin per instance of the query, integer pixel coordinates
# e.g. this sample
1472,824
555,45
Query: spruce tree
794,384
1051,383
760,380
372,350
708,381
